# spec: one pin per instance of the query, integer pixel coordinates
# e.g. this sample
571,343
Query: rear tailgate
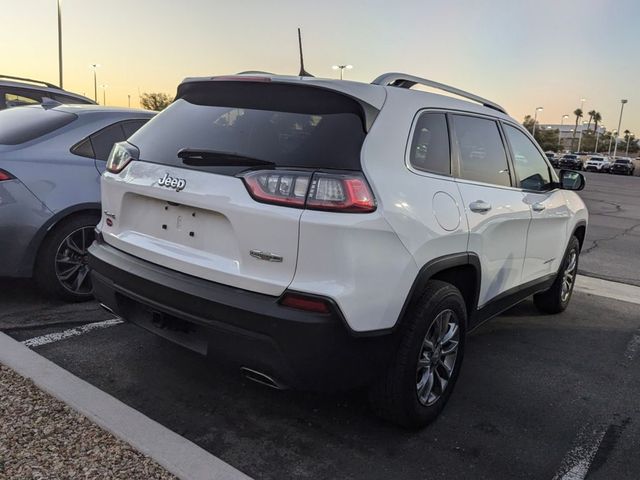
206,229
207,224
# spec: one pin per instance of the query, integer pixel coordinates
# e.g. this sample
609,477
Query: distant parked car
51,157
623,165
570,161
18,91
553,158
598,164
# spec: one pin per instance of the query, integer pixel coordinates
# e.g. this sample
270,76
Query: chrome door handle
479,206
538,207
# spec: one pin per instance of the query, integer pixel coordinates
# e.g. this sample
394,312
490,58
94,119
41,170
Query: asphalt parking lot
535,391
612,247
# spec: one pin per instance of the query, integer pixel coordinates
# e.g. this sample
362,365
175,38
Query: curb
606,288
176,454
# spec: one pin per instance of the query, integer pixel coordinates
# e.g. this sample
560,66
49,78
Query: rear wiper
213,158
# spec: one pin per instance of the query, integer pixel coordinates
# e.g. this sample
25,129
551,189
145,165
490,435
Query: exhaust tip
261,378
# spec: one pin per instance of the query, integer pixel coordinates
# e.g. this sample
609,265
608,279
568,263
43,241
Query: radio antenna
303,72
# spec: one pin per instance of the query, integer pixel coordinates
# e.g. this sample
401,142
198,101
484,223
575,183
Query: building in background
566,133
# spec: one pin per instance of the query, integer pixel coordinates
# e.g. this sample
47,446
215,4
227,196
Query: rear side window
20,125
482,154
99,144
430,144
290,126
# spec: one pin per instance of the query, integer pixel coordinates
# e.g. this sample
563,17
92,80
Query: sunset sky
521,54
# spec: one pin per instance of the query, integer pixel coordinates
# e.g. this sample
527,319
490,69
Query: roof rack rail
403,80
22,79
254,72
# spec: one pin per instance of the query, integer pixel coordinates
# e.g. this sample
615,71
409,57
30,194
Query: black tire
56,258
554,299
394,395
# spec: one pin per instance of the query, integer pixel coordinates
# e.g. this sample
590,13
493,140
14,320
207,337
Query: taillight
121,155
341,193
347,193
304,302
5,176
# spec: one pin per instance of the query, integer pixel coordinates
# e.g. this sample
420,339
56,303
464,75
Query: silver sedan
51,158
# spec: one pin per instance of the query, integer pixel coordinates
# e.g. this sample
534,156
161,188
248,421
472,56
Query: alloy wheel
71,261
569,276
437,358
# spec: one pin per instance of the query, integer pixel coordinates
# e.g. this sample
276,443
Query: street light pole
610,141
560,130
535,120
104,94
615,147
597,138
341,68
580,138
626,154
95,82
60,42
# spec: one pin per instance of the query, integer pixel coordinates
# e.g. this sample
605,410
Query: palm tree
591,115
597,118
578,113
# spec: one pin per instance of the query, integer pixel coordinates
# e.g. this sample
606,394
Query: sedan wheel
71,265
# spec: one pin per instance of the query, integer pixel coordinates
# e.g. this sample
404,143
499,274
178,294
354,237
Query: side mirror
570,180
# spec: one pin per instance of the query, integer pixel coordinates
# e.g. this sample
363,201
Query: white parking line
72,332
575,464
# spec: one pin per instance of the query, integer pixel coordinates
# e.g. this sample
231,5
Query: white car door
497,214
547,238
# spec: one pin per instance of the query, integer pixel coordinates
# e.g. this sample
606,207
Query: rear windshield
23,124
622,161
570,156
597,159
291,126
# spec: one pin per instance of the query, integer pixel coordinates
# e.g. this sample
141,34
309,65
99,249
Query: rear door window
290,126
20,125
481,151
430,144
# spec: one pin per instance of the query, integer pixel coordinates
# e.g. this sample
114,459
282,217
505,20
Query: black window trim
414,125
88,137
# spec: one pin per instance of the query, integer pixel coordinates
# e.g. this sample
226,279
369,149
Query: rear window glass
622,161
298,127
20,125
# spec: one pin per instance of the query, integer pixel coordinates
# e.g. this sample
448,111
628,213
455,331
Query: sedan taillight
343,192
5,176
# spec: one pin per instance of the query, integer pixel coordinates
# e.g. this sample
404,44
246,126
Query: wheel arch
462,270
580,231
28,264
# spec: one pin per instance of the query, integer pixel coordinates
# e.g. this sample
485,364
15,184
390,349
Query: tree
528,123
597,118
578,113
592,114
155,101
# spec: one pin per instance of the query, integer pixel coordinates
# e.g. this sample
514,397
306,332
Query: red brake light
302,302
5,176
343,193
278,187
348,193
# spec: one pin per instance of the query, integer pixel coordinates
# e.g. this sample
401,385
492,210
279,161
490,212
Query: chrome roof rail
403,80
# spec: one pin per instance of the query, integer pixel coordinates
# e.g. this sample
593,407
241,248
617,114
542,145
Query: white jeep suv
323,234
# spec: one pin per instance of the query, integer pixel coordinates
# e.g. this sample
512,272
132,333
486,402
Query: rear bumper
302,350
